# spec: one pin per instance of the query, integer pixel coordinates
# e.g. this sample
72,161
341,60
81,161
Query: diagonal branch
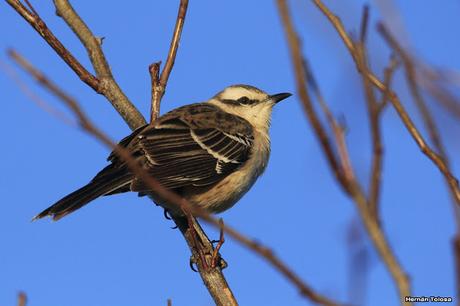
104,83
159,82
108,86
375,112
174,46
40,26
302,90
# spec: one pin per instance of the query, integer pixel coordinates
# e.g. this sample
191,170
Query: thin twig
302,90
154,70
170,196
364,24
411,79
174,46
103,84
22,299
446,99
337,130
359,260
387,79
374,114
108,86
159,83
48,108
415,91
39,25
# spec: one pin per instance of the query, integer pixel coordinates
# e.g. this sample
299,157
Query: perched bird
210,153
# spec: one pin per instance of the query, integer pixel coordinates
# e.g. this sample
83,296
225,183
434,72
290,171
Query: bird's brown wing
180,151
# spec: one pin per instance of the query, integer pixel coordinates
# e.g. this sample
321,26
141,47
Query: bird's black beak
279,97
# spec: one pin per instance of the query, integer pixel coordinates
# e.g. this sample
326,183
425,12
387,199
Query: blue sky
121,251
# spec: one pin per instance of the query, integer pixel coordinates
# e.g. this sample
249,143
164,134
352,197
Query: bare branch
302,90
103,84
388,77
374,113
173,198
154,70
174,45
54,112
364,24
337,130
446,99
39,25
22,299
159,83
108,86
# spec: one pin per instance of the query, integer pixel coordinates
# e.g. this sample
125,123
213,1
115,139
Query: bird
210,153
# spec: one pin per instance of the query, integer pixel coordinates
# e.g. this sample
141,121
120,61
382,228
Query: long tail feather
109,180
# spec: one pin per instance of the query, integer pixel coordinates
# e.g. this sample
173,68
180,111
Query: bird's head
248,102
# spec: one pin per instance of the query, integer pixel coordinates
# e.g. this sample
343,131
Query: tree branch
22,299
39,25
173,47
103,84
159,82
108,86
154,70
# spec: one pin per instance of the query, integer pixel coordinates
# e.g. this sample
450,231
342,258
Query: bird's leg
216,255
199,248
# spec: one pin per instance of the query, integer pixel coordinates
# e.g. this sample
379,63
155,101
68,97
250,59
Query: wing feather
179,150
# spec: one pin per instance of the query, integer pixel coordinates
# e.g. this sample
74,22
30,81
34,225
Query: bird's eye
244,100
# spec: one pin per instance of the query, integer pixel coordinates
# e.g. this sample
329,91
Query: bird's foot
215,254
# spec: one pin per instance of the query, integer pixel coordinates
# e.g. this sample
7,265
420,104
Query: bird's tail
109,181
